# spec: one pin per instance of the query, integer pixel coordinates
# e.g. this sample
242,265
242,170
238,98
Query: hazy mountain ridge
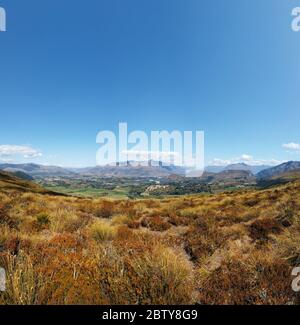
157,169
35,170
255,169
211,173
279,170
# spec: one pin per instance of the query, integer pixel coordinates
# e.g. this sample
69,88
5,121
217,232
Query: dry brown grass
228,248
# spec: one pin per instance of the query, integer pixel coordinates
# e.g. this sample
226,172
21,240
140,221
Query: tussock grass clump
261,229
159,275
120,219
155,223
23,283
67,220
260,279
102,231
104,210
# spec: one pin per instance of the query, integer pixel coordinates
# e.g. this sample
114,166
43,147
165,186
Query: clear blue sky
69,69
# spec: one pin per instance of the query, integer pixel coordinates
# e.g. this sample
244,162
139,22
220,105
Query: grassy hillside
228,248
9,182
283,178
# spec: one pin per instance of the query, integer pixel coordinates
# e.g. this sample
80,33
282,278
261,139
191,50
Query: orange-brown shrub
68,274
261,228
157,276
203,240
246,281
4,216
155,223
104,210
177,220
134,224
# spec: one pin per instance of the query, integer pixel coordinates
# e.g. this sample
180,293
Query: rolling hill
229,178
9,182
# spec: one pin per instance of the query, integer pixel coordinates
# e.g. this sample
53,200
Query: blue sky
70,69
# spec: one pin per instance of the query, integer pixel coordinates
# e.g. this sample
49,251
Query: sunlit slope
10,182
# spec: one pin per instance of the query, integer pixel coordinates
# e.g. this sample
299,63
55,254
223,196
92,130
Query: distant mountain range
29,171
35,170
279,170
40,171
241,166
157,169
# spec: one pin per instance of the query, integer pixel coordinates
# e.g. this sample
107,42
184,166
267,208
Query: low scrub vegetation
228,248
